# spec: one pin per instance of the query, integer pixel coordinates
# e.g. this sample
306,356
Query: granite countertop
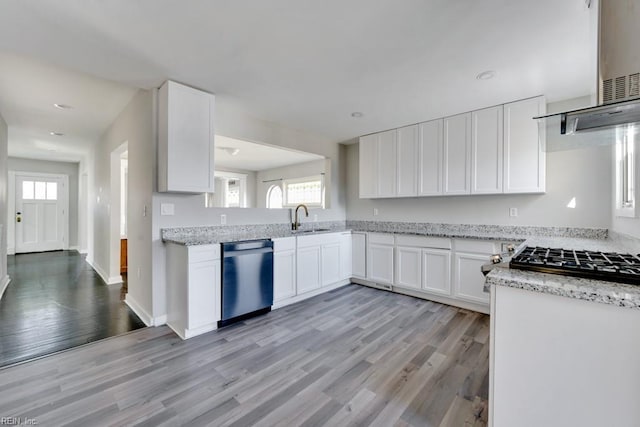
191,236
618,294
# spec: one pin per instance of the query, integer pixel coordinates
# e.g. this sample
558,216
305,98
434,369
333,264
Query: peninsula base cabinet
578,365
468,279
193,285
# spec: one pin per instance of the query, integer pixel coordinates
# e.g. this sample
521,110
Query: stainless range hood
618,72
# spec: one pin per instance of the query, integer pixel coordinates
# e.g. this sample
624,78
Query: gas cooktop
609,266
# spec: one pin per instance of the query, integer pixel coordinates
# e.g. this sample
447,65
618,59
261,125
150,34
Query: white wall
135,125
190,209
583,173
4,178
63,168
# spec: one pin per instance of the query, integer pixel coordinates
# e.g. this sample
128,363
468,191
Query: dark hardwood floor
353,356
56,301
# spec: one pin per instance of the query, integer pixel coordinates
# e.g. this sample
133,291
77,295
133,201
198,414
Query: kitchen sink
317,230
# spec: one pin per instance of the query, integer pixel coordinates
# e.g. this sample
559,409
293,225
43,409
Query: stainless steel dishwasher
247,280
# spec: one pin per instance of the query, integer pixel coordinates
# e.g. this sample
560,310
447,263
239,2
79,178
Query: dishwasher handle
229,254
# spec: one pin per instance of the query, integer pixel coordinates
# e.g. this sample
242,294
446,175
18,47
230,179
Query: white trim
309,294
160,320
115,280
74,248
146,318
3,284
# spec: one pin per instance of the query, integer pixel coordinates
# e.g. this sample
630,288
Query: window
625,173
308,190
274,197
39,190
230,191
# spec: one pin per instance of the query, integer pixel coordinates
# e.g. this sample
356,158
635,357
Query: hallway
56,301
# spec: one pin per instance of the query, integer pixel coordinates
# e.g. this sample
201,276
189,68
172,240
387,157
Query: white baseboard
160,320
4,282
74,248
114,280
139,311
84,251
11,251
306,295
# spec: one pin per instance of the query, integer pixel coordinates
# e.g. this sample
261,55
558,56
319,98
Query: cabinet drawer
381,238
284,244
204,253
476,246
318,239
424,242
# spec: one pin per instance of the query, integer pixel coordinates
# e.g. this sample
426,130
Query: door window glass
52,191
27,190
41,190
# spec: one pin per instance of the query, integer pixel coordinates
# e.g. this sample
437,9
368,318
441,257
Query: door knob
18,217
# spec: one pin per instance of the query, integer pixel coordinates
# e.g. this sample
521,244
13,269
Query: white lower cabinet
308,268
346,254
409,267
380,258
284,268
470,255
359,255
193,288
436,268
330,262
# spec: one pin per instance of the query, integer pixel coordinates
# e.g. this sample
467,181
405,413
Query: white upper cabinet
387,163
486,150
457,154
407,161
185,139
490,151
368,164
524,156
431,146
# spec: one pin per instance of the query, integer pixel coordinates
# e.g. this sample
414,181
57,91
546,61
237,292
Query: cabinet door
367,163
330,264
387,163
204,283
380,263
186,139
346,253
408,267
524,156
436,271
359,254
457,154
407,167
284,275
431,155
469,280
308,269
486,151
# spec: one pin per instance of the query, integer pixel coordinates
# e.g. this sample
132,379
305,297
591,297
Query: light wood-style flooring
353,356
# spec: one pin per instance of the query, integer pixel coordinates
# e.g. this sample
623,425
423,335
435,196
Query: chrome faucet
296,224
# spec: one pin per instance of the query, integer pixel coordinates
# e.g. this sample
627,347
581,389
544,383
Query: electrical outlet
375,211
513,212
223,219
167,209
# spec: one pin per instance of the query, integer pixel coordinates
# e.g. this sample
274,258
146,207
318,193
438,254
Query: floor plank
353,356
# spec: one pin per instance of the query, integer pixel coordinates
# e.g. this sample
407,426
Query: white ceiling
256,157
307,64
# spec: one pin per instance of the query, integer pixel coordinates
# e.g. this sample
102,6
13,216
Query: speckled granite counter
619,294
205,235
598,291
476,231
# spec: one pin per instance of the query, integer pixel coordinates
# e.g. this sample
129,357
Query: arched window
274,197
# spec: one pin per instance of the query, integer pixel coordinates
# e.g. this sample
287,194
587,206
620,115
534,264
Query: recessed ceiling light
486,75
63,106
357,114
56,133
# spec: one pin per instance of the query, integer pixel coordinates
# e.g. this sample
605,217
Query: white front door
41,213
